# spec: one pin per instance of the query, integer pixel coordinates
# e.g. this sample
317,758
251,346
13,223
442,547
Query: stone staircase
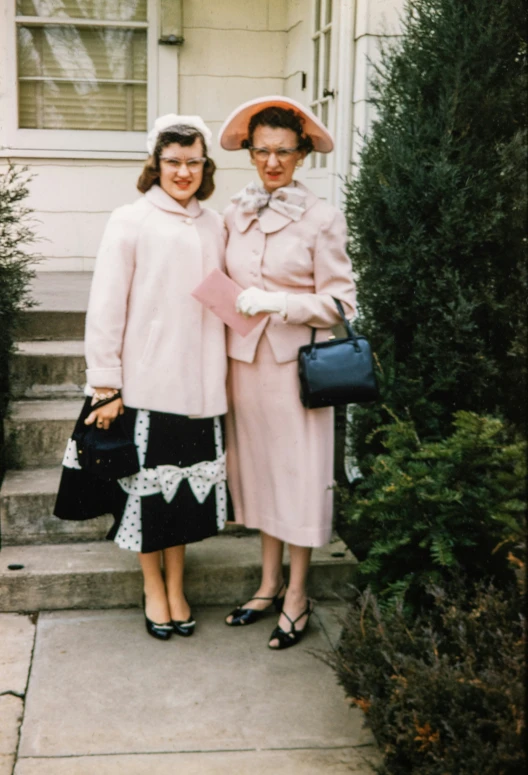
47,563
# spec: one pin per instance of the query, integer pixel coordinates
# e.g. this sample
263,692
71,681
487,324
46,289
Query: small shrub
429,510
16,235
444,694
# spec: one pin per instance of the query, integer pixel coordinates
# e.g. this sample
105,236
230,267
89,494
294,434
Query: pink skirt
280,456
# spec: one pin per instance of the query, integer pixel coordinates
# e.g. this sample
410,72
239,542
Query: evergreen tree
437,219
16,236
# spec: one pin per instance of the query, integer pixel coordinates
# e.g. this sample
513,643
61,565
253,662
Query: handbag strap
105,401
351,334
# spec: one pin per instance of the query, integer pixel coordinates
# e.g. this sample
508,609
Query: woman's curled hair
279,118
185,136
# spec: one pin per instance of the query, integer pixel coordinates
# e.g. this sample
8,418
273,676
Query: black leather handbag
109,454
340,371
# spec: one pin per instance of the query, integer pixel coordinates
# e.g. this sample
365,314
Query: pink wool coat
305,258
145,333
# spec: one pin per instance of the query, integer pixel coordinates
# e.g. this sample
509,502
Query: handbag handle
104,401
351,334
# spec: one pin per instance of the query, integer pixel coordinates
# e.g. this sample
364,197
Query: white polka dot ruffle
70,459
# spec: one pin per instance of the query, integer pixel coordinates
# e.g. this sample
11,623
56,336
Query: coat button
189,221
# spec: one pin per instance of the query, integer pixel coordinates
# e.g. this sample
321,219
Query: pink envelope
219,294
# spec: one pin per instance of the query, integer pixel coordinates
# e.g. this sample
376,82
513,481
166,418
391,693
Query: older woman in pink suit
286,249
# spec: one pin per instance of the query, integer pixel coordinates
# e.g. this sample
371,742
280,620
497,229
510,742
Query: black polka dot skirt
178,497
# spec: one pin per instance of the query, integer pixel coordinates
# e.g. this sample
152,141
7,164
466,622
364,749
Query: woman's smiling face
276,170
181,182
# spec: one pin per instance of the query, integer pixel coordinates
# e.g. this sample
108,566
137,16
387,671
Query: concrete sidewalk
90,693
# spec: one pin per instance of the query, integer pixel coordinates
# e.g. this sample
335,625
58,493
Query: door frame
328,182
344,109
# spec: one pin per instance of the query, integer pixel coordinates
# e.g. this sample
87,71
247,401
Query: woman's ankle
180,610
271,586
296,597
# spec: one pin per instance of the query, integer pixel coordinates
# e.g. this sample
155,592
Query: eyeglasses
263,154
193,165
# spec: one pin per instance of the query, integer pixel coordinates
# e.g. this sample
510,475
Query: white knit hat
171,119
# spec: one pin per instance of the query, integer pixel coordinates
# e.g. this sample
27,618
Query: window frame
319,163
319,167
327,181
77,143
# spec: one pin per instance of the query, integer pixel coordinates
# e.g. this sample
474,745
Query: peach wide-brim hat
235,128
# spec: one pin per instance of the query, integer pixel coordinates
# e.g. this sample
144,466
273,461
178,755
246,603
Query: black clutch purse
340,371
109,454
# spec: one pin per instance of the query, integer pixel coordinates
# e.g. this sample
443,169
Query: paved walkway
90,693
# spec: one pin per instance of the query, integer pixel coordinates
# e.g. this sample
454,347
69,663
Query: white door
331,97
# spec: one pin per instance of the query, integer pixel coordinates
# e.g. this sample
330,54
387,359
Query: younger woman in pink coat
159,356
286,248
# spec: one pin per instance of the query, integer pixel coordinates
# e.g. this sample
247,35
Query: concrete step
219,571
37,431
61,301
48,369
27,499
51,324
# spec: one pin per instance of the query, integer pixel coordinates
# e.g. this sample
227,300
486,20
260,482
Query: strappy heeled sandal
243,616
293,636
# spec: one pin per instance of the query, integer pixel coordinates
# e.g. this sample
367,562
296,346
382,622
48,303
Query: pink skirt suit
280,456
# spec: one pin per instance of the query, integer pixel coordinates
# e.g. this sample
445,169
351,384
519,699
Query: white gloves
254,300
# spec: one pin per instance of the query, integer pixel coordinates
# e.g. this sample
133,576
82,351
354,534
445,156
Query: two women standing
149,338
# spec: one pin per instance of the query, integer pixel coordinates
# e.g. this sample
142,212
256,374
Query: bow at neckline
288,200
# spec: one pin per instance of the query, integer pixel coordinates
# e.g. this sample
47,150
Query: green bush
16,236
443,695
437,218
428,510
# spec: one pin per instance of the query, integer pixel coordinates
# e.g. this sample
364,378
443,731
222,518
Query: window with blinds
322,63
82,64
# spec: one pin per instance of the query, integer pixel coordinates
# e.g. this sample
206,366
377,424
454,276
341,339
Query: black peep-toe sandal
293,636
184,628
249,615
159,631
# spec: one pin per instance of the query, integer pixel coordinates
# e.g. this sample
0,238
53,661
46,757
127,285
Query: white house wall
298,49
234,50
377,21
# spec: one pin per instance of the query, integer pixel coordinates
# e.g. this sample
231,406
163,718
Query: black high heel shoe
159,631
293,636
249,615
185,629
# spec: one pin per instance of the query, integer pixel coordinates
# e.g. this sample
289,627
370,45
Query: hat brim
235,128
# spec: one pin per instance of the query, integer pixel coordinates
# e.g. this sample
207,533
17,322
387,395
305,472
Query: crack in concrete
33,617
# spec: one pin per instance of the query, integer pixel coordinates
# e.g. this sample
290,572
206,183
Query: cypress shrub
16,237
437,217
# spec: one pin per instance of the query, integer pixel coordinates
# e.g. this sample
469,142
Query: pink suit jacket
305,258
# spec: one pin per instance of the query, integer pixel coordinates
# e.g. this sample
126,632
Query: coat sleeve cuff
111,378
295,312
